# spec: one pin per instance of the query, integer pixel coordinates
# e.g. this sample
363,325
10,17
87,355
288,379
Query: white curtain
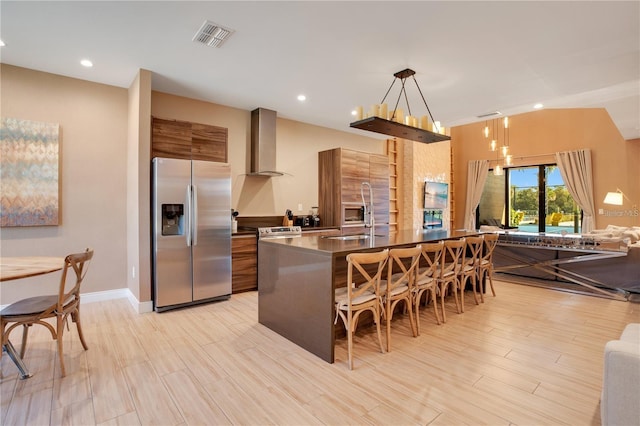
476,177
575,168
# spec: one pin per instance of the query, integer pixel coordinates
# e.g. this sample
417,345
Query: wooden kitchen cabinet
186,140
244,263
340,176
355,169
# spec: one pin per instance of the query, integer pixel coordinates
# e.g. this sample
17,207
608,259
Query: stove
279,232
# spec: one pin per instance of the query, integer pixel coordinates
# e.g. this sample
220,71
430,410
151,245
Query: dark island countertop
334,245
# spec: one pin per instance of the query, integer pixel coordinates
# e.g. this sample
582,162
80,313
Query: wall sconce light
615,198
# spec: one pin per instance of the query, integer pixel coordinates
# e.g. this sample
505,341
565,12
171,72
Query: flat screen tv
436,195
432,219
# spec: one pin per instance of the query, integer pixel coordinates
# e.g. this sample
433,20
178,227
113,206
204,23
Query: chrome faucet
368,221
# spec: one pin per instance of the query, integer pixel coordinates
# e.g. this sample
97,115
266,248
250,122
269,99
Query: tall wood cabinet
340,176
186,140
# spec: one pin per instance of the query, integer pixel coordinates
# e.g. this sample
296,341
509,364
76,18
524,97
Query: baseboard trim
121,293
140,307
101,296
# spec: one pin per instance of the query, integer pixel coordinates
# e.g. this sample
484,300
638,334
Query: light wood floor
530,356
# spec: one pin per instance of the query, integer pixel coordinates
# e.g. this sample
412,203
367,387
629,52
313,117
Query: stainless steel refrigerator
191,204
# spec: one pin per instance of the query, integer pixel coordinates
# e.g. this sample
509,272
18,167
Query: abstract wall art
29,161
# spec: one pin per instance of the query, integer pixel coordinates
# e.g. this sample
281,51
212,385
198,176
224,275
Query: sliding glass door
529,199
524,200
563,214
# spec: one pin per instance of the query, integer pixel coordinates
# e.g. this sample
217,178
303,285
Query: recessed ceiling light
354,112
302,98
86,63
538,106
2,43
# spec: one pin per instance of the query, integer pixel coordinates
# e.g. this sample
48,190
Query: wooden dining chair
469,264
361,294
35,310
427,279
448,272
398,285
485,266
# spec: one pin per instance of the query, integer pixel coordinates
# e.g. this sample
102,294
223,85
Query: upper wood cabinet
355,170
186,140
340,176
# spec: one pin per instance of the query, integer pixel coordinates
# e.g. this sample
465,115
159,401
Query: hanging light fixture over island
393,122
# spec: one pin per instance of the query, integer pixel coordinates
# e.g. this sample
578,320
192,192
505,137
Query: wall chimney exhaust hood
263,143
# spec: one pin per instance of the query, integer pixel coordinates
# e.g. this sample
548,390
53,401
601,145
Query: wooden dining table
13,268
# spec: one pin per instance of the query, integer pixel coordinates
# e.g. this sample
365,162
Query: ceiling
470,58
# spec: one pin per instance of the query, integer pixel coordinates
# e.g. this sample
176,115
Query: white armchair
620,403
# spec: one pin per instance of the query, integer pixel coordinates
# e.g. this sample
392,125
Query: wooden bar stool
485,266
448,272
361,294
398,285
469,264
427,279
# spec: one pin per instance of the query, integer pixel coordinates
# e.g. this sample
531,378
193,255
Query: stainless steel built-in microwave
352,213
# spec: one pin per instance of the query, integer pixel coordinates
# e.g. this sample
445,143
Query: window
537,200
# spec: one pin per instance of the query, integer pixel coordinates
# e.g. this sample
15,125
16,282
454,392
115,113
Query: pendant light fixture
393,122
494,132
494,144
505,137
497,170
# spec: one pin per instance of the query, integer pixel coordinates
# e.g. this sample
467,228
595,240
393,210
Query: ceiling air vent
489,114
212,34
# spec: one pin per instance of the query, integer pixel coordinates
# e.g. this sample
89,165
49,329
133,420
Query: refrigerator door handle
188,215
194,198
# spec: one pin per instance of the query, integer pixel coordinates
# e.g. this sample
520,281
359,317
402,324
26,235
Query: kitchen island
297,277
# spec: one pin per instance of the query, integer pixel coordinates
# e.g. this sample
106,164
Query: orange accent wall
615,161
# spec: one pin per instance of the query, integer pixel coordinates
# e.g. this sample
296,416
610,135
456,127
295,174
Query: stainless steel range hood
263,143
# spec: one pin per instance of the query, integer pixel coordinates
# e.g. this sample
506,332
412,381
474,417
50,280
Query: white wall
93,170
138,270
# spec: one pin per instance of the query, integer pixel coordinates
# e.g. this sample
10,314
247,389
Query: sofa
620,401
629,235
